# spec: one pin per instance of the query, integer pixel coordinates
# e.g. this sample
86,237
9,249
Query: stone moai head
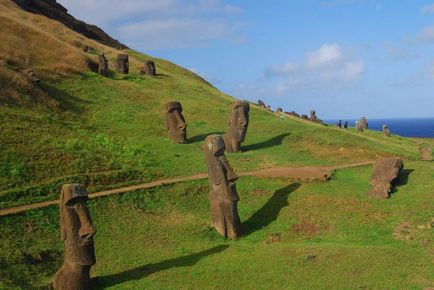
223,193
77,231
363,123
237,127
149,68
175,122
102,65
123,65
386,130
313,116
279,110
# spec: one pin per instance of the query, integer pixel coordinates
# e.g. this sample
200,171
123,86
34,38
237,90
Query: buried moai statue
175,123
76,231
149,68
386,130
386,173
102,65
363,123
123,65
237,127
223,192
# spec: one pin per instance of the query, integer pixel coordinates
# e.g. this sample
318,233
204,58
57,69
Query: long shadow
66,101
275,141
270,211
146,270
402,179
201,137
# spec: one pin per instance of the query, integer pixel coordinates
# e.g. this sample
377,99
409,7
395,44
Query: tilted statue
386,173
149,68
102,65
223,192
363,123
77,231
123,65
175,123
237,127
386,130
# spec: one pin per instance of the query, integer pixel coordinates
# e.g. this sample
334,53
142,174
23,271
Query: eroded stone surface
363,123
102,65
149,68
386,130
386,173
426,154
175,122
223,192
237,127
314,117
123,65
77,231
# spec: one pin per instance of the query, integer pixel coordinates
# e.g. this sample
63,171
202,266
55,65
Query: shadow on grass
275,141
402,179
66,101
269,212
144,271
202,137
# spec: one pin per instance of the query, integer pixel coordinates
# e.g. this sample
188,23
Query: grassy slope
110,132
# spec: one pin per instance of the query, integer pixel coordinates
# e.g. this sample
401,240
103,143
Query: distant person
346,125
340,124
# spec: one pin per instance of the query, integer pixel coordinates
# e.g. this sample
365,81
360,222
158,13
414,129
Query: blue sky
343,58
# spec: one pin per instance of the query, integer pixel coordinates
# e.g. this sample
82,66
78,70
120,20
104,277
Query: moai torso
123,65
175,122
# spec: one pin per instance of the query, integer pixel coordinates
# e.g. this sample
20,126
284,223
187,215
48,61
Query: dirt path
299,173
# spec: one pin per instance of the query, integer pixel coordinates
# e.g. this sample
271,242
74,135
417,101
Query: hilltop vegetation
76,126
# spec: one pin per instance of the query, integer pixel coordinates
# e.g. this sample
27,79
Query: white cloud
428,9
426,35
327,54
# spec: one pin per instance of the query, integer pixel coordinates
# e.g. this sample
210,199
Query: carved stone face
123,64
175,122
239,121
151,68
76,226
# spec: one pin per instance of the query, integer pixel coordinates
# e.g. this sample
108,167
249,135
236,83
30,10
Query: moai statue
363,123
313,117
386,173
223,192
175,123
149,68
294,114
102,65
123,64
358,127
77,231
237,127
305,117
279,111
386,130
426,154
261,104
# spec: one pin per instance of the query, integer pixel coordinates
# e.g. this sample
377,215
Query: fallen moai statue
77,231
386,173
223,195
237,127
175,123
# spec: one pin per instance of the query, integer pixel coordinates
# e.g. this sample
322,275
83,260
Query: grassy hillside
77,126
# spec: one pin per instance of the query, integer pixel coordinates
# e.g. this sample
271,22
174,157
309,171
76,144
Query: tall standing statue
102,65
123,65
77,231
175,123
237,127
363,123
223,192
149,68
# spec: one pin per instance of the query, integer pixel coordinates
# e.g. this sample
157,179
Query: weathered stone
223,192
175,122
261,104
102,65
426,153
364,123
293,113
358,127
149,68
313,117
305,117
237,127
77,231
123,64
386,173
279,110
386,130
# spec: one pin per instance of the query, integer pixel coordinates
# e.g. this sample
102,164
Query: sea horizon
420,127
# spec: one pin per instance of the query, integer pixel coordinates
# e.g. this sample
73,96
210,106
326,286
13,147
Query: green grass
299,236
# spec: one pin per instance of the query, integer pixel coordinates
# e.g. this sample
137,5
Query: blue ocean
415,127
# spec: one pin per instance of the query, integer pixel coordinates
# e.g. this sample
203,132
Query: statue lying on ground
77,231
386,173
223,192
